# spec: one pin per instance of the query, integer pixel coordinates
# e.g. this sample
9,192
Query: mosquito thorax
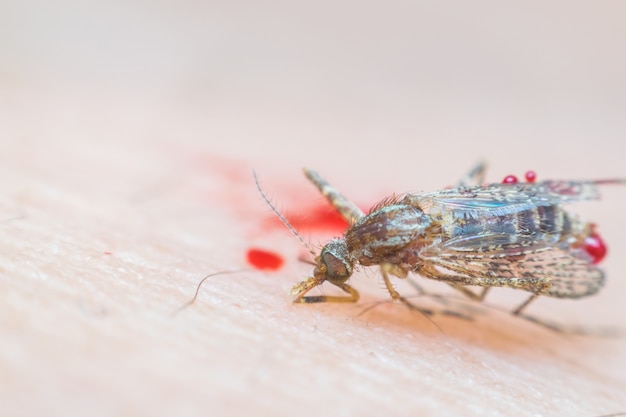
334,262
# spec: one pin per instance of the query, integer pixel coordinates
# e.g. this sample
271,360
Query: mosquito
510,234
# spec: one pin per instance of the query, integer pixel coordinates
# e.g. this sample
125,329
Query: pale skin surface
116,201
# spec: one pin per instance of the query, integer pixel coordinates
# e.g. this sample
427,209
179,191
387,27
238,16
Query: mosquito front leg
300,290
345,207
532,298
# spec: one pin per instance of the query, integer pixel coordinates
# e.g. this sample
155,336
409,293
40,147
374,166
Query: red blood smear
510,179
530,176
108,253
321,218
595,247
264,260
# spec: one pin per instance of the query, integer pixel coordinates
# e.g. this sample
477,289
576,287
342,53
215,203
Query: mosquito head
334,263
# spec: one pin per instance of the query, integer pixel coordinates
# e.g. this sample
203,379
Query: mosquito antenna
195,296
280,216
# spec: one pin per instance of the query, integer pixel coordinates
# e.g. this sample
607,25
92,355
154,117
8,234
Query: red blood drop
595,247
530,176
264,260
510,179
108,253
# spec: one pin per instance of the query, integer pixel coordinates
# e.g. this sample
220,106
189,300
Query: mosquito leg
300,290
532,298
528,284
606,332
384,270
460,288
418,288
422,292
345,207
536,285
476,176
471,294
466,291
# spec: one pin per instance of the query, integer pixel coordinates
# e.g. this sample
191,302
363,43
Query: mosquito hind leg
537,286
424,293
460,288
530,299
476,176
348,210
471,294
419,289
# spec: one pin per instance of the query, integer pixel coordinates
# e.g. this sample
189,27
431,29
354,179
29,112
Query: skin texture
126,178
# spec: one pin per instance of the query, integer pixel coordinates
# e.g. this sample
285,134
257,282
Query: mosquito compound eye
335,268
335,258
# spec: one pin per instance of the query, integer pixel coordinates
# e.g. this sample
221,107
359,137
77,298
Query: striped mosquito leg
536,285
532,298
469,293
430,273
384,270
345,207
300,290
476,176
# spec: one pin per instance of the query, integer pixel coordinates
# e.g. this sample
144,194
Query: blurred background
392,91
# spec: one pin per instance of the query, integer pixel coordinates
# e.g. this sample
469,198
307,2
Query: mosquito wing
569,271
503,199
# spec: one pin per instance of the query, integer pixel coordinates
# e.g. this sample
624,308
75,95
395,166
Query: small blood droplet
510,179
264,260
530,176
595,247
108,253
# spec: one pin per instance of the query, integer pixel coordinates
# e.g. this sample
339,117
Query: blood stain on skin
264,260
235,184
318,218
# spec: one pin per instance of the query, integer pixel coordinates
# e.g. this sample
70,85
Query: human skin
100,250
120,194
